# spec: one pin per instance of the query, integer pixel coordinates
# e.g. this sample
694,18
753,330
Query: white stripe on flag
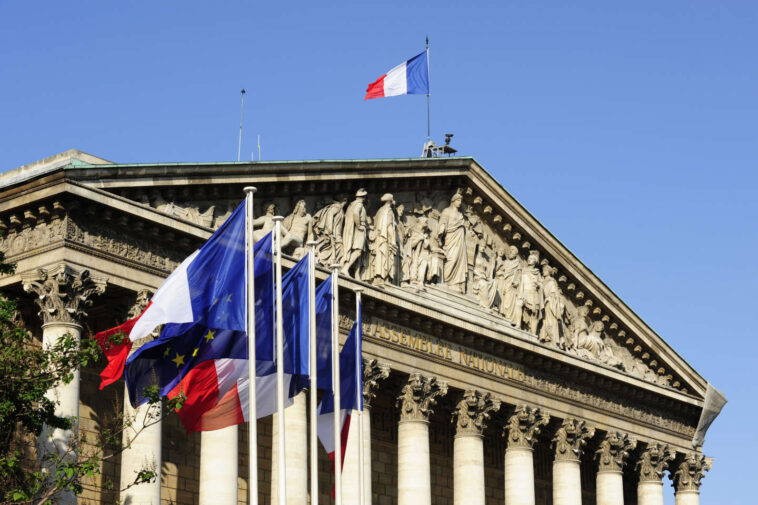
396,81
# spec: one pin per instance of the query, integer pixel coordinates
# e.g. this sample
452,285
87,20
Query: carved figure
579,327
327,227
299,229
484,288
451,231
554,308
265,222
402,238
592,346
354,235
385,244
507,281
418,255
530,293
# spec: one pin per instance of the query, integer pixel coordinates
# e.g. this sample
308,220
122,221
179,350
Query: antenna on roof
242,109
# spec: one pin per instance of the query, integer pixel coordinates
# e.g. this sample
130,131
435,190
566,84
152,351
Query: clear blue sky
629,131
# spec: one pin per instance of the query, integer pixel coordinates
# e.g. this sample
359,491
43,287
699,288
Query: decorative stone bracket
472,411
418,397
62,293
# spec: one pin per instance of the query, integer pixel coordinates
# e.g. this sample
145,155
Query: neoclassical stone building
498,368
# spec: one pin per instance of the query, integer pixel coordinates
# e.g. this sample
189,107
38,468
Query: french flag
409,78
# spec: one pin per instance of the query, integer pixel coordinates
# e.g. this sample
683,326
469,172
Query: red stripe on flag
376,88
343,437
200,386
116,345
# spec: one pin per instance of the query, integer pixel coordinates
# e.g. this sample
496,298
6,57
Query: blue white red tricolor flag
409,78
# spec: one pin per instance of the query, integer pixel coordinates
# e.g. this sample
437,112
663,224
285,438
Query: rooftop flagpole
282,465
242,109
313,395
252,415
428,92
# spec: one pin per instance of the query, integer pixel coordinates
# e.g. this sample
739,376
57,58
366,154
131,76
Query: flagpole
359,392
282,467
313,396
336,386
242,109
252,415
428,92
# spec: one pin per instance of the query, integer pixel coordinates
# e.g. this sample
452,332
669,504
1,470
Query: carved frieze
62,293
418,396
472,412
373,373
654,461
571,437
614,450
690,472
524,425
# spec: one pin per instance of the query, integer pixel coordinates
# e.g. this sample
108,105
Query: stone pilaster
611,456
569,442
62,294
689,472
418,397
522,428
470,416
651,466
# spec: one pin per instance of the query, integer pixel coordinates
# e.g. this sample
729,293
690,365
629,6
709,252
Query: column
373,373
569,442
611,456
141,437
295,451
416,400
470,416
651,465
219,466
522,428
62,295
690,471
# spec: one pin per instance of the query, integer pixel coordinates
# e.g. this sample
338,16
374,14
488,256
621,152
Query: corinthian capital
571,438
373,373
140,303
690,472
524,425
472,412
418,397
62,293
654,461
614,449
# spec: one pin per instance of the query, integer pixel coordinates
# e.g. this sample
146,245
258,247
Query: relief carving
62,293
570,439
373,373
385,243
690,472
297,230
418,396
654,461
354,237
614,449
451,232
472,411
524,425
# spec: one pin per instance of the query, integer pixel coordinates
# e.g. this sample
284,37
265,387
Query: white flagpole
313,396
359,392
336,386
252,415
282,467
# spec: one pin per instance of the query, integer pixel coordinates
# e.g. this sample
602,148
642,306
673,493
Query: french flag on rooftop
409,78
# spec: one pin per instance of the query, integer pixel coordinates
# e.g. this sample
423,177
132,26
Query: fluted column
569,442
373,373
62,295
470,416
522,428
295,451
611,457
690,471
413,466
651,466
219,461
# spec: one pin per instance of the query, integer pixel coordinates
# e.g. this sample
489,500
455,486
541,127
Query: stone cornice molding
690,472
524,426
373,373
570,439
418,396
614,450
654,461
472,412
62,293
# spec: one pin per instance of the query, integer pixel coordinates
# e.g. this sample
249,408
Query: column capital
654,461
614,449
571,437
373,373
472,411
690,471
62,293
524,425
418,396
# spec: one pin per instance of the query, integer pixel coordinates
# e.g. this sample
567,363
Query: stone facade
490,351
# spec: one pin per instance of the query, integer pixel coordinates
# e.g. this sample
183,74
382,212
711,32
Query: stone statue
507,281
530,293
354,235
402,238
451,231
484,287
579,327
592,346
418,254
327,227
551,330
385,243
265,222
299,229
